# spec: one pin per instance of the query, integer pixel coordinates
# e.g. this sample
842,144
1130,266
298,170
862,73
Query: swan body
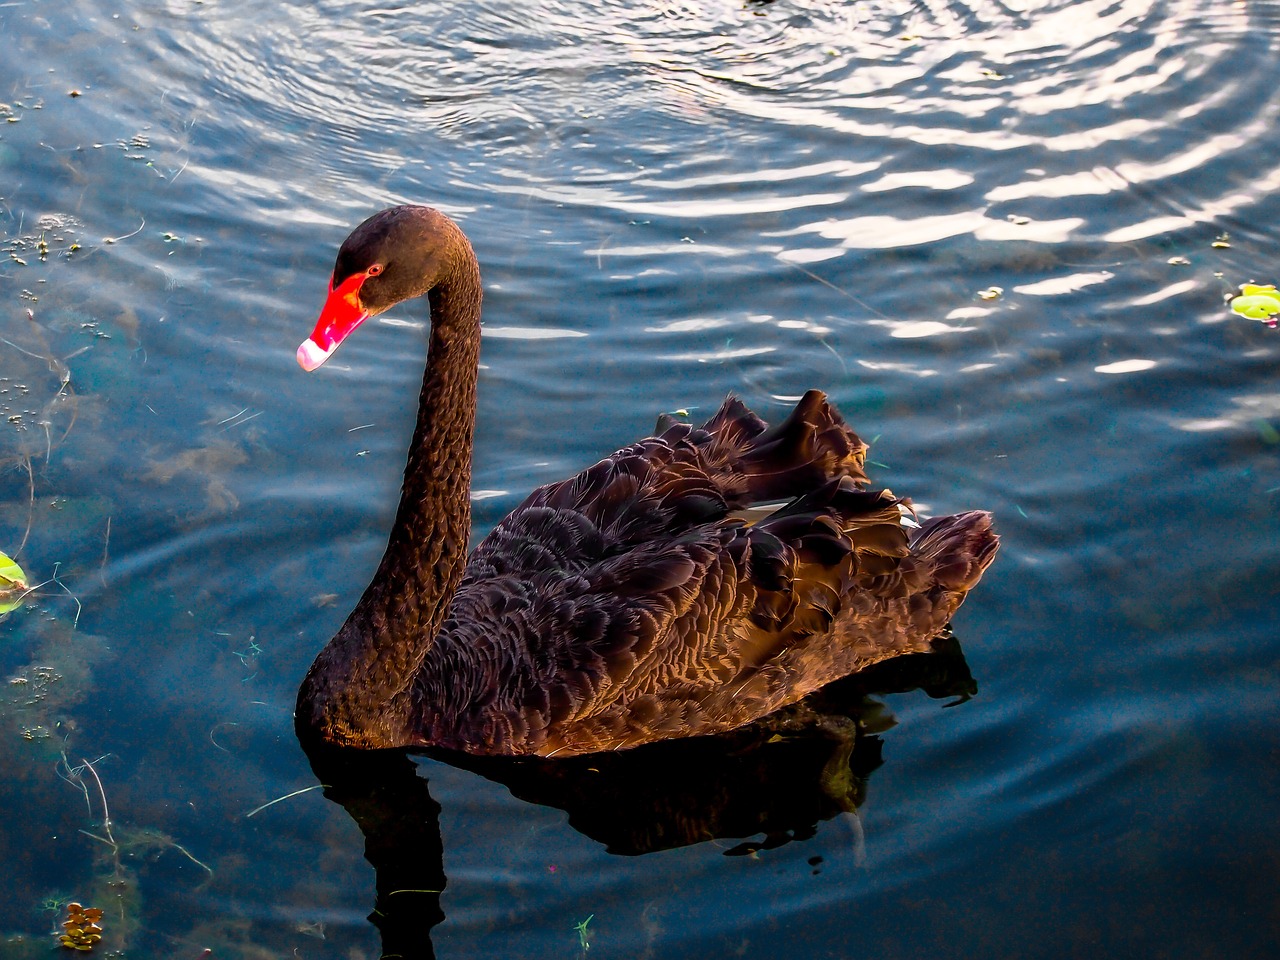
634,602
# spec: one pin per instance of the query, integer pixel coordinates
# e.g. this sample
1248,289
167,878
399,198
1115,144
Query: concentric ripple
581,103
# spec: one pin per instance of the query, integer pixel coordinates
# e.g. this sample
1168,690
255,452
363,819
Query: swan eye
374,270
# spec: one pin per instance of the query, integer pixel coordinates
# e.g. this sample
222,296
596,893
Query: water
671,201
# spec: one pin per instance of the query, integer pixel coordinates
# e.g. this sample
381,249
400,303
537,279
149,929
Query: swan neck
428,544
359,689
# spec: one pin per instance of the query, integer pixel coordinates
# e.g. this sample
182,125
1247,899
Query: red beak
342,313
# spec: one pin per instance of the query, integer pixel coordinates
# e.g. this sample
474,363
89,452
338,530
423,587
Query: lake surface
671,201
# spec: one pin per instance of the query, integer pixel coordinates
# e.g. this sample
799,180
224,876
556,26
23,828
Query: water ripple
1118,98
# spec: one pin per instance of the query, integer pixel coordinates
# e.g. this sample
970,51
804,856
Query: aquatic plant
81,930
1257,302
13,584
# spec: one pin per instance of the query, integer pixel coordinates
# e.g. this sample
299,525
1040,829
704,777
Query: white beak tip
311,354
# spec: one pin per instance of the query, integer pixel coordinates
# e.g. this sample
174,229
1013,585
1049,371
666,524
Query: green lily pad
11,574
1257,301
13,584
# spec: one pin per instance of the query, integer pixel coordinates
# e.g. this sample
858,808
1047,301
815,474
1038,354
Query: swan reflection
755,788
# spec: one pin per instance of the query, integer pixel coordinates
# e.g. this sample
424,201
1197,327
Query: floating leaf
1255,308
13,584
1260,290
11,575
1257,301
82,930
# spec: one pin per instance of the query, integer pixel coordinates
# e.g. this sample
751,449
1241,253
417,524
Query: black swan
633,602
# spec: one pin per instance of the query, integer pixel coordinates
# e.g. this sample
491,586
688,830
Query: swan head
395,255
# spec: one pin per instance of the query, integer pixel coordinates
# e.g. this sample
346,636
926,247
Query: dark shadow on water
765,785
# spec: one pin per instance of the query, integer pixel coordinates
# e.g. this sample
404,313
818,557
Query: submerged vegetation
69,367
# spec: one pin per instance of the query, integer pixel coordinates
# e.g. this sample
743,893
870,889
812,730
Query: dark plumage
627,604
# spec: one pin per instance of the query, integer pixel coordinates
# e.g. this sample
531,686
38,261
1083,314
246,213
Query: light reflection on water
671,201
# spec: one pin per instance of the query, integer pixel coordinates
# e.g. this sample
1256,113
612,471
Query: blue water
671,201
